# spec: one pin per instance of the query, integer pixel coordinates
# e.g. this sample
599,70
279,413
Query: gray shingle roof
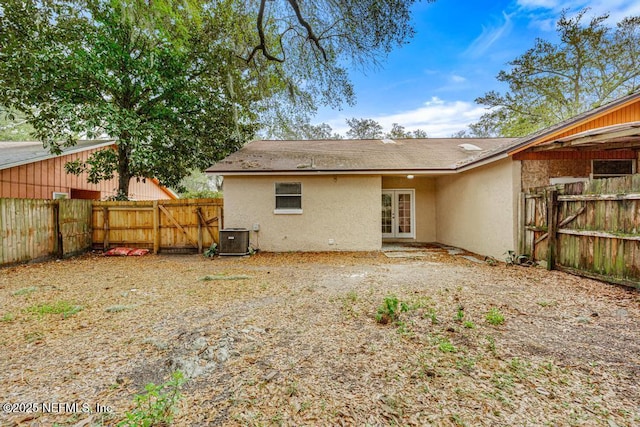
374,155
17,153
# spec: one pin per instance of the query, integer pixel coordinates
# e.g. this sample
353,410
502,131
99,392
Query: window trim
287,211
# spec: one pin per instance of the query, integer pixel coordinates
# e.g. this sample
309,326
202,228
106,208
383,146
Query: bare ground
291,339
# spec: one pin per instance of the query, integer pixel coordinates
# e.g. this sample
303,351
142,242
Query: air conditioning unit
234,241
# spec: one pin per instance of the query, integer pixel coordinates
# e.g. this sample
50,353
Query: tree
591,65
180,84
398,132
298,128
364,129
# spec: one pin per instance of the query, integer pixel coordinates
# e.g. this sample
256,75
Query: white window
288,198
58,195
612,168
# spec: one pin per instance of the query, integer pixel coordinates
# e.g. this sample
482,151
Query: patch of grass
495,317
8,317
469,324
546,303
445,346
459,314
348,304
431,314
491,344
25,291
65,308
211,277
118,308
158,405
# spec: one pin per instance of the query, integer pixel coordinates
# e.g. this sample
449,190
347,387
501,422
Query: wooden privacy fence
35,229
184,225
591,229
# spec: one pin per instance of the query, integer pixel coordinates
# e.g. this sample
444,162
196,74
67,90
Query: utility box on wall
234,241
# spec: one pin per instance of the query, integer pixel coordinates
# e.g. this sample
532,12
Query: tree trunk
124,174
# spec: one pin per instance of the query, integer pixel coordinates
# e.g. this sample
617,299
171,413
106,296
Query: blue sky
459,48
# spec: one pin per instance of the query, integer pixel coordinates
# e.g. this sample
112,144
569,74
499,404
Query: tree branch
310,35
263,45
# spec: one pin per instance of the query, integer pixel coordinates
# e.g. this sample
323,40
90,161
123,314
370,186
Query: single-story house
27,170
353,195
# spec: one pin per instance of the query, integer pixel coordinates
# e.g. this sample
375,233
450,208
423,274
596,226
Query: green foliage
157,406
495,317
101,166
469,324
65,308
445,346
390,309
364,129
212,251
592,64
201,194
179,85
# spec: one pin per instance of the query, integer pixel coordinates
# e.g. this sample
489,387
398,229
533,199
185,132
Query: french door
398,212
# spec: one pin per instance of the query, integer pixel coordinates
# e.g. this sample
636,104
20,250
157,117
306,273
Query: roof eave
316,172
48,156
536,139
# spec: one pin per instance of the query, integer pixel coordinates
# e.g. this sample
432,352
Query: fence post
552,218
57,231
105,227
156,227
522,232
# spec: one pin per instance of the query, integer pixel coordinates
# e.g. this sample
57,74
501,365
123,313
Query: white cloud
489,36
617,9
439,118
457,79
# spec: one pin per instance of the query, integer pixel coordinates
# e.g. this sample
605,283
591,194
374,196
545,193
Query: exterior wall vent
234,241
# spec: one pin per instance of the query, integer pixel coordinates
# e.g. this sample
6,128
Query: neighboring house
27,170
357,194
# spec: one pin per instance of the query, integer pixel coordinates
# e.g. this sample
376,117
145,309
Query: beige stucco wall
477,209
345,209
425,204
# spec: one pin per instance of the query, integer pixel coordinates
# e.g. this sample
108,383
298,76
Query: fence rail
591,229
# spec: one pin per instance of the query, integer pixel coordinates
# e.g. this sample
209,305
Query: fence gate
591,229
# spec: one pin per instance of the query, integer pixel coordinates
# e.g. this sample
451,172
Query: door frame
394,213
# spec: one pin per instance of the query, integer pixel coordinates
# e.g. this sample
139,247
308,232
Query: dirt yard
292,339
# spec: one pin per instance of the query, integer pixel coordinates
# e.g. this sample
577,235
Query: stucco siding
477,210
425,203
341,209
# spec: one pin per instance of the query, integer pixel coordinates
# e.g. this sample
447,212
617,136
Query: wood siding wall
36,229
590,229
185,225
39,180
